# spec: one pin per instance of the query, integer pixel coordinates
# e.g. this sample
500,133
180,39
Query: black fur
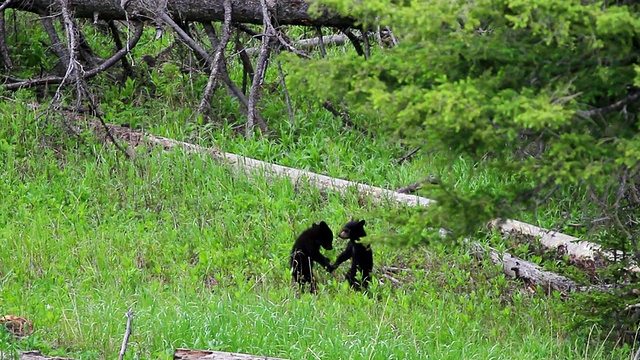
306,250
361,255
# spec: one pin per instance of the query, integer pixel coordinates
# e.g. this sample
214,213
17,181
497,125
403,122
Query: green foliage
525,90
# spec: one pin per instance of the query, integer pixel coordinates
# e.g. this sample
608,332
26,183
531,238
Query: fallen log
553,240
533,274
30,355
246,164
287,12
188,354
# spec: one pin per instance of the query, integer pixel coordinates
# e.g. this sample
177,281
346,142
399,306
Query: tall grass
200,254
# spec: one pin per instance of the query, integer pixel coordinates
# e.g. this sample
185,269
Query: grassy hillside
200,252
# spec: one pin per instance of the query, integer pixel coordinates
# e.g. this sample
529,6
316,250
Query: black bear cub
306,250
361,255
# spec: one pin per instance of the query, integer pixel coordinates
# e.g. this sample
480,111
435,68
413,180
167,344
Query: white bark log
187,354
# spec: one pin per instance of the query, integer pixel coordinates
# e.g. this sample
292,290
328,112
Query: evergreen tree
544,93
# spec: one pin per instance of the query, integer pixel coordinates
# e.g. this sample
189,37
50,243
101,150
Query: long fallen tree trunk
551,239
288,12
189,354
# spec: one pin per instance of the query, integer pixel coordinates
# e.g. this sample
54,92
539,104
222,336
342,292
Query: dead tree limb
287,12
232,88
323,51
127,334
533,274
73,67
247,67
344,115
261,68
411,188
553,239
613,107
5,4
21,83
5,59
406,156
115,34
56,45
354,41
333,40
217,59
30,355
367,45
287,98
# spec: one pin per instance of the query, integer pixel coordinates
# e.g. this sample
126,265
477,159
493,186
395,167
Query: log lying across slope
288,12
512,266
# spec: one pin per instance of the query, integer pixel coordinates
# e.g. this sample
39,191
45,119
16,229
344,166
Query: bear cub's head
353,230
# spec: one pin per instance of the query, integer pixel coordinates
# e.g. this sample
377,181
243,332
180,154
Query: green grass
200,254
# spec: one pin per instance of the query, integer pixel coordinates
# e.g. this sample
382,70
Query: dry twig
407,155
127,334
286,93
411,188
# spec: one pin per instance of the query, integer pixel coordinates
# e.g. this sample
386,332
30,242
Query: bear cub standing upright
306,250
361,255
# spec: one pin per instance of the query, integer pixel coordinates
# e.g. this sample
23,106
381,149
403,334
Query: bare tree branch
20,83
247,67
367,46
323,51
286,93
613,107
411,188
4,51
217,59
406,156
354,40
115,34
73,66
56,45
346,120
231,86
261,68
338,39
5,4
127,333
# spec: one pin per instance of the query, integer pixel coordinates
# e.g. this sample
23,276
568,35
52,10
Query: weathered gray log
553,239
188,354
529,272
533,274
287,12
30,355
